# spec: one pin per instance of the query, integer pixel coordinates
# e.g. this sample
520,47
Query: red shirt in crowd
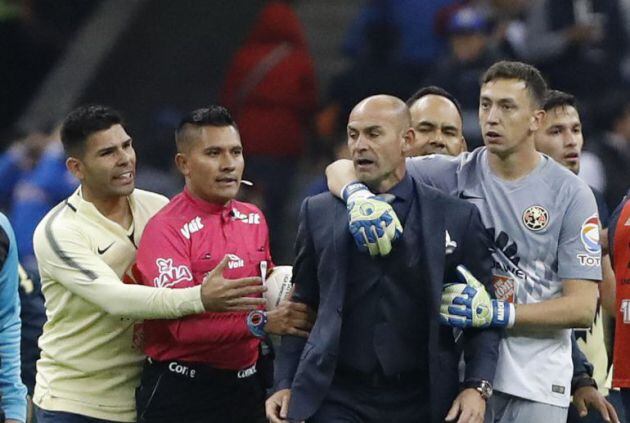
182,243
621,266
270,85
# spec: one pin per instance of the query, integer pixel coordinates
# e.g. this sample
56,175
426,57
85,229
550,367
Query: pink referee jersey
180,244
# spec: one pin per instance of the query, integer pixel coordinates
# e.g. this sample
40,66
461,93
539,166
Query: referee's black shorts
182,392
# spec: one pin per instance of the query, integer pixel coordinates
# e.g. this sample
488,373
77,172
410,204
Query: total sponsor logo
235,261
191,227
588,260
249,218
170,275
589,234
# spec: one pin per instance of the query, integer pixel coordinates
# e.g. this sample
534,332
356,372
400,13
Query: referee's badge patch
536,218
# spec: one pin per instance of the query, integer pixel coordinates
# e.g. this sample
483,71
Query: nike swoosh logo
469,197
105,249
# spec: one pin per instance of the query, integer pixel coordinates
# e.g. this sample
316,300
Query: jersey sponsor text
171,275
250,218
191,227
235,261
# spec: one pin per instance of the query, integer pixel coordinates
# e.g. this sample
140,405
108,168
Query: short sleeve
435,170
579,251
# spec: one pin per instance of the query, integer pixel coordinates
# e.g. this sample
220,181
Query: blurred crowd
33,35
579,45
291,126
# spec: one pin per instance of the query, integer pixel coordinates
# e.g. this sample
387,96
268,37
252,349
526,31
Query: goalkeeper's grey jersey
545,228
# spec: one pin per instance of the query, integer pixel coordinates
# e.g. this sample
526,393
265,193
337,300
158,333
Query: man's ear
464,145
407,141
536,120
75,166
181,161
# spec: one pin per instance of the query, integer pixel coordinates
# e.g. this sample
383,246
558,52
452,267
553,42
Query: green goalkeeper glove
468,305
372,220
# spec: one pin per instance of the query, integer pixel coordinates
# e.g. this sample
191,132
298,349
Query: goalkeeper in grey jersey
547,256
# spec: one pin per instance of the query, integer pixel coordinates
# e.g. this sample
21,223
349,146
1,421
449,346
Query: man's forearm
142,302
560,313
338,174
581,366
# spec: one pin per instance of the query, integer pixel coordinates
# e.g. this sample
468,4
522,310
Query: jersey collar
83,207
206,206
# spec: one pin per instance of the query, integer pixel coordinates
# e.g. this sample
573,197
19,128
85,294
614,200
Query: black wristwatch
482,386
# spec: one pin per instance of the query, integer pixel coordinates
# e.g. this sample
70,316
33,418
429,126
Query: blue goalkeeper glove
468,305
372,221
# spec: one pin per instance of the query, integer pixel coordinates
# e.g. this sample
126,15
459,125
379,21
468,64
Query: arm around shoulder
338,175
65,257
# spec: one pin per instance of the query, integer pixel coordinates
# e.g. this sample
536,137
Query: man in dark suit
377,352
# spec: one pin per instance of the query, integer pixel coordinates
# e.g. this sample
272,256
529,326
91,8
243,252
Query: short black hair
213,115
83,122
557,98
434,90
532,77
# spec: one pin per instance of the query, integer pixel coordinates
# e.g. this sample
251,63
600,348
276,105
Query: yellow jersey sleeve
64,255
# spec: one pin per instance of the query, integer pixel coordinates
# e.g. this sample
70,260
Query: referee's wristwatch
256,321
482,386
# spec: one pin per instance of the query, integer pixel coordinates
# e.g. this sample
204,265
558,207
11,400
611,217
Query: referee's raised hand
221,294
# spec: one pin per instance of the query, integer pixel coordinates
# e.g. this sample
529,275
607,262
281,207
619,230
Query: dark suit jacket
319,274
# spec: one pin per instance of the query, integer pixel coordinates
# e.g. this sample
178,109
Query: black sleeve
602,208
581,365
4,247
305,265
481,346
306,290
